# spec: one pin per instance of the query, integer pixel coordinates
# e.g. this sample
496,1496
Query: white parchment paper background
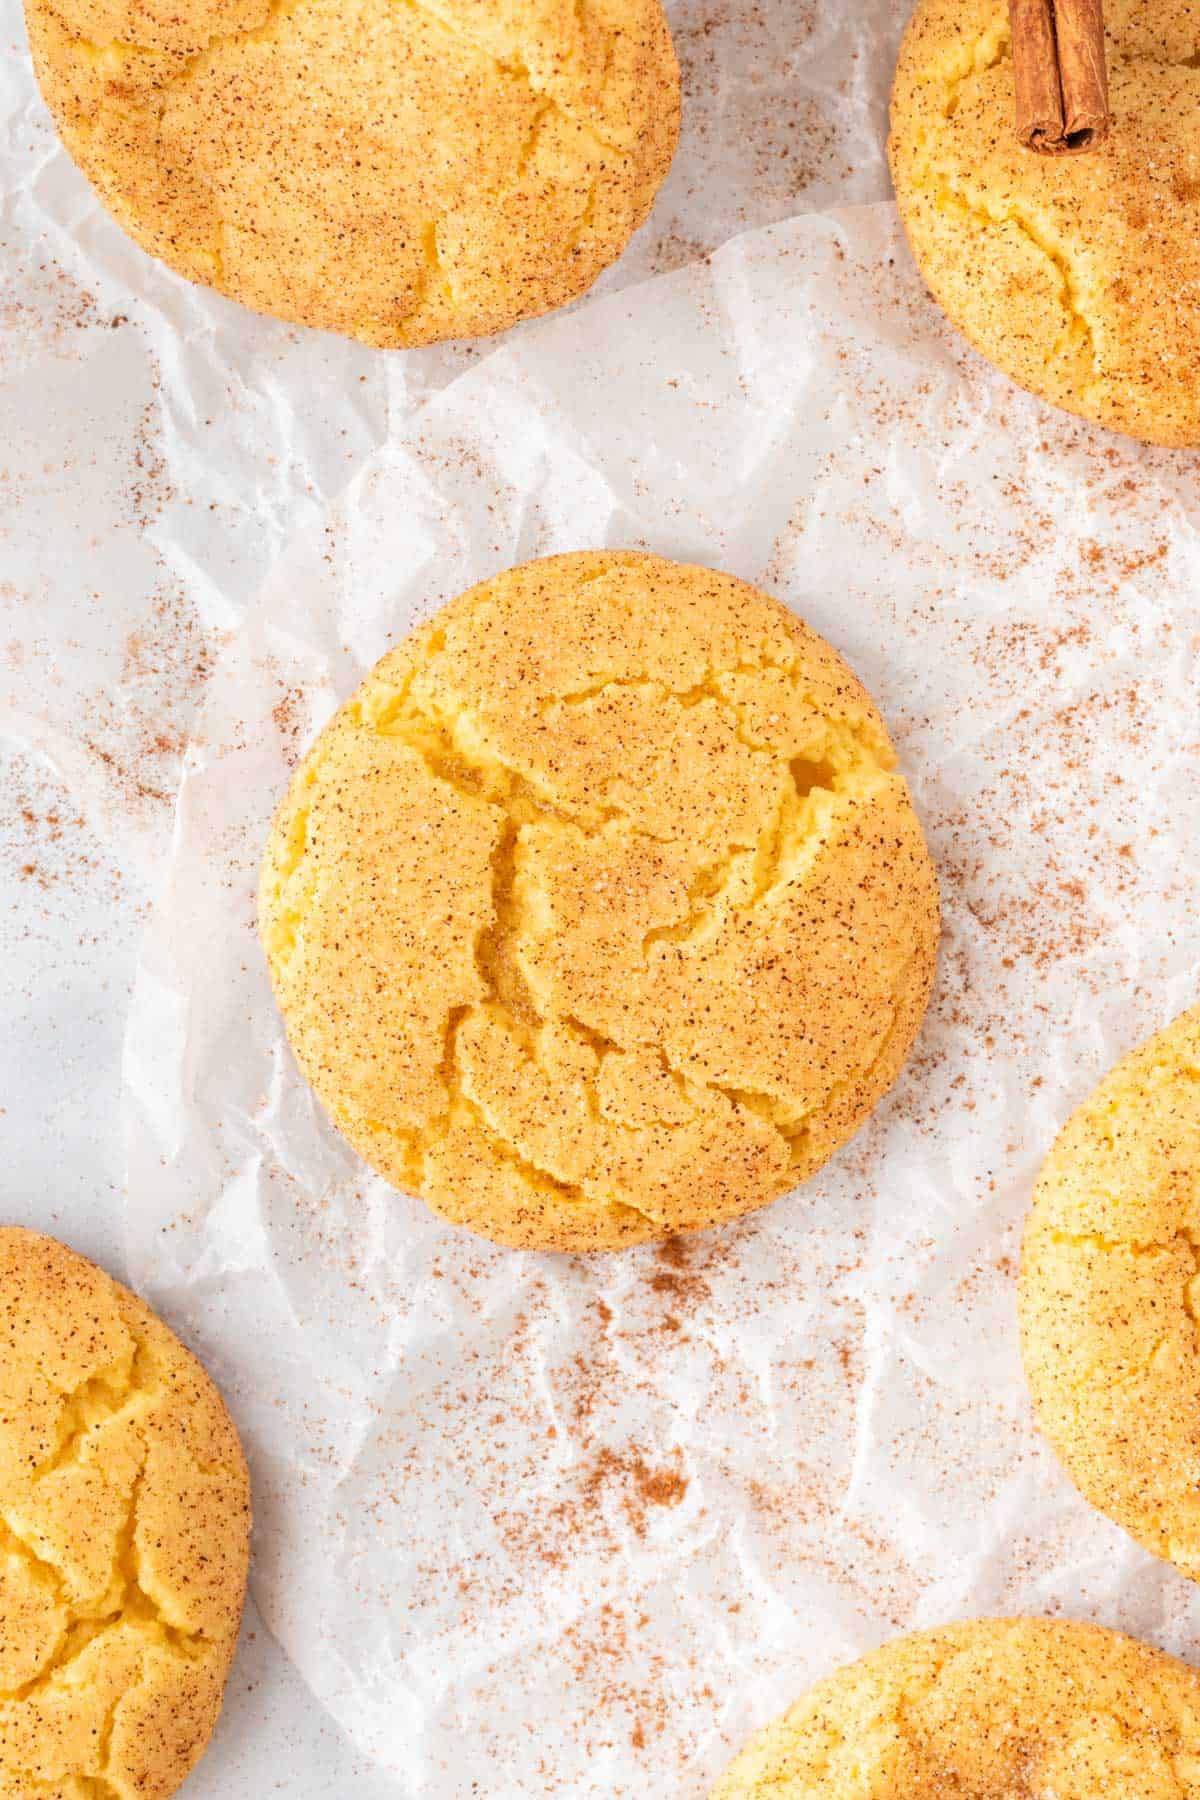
526,1525
539,1525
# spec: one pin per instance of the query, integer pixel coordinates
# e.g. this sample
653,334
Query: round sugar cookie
999,1709
600,911
124,1528
1079,276
396,170
1110,1295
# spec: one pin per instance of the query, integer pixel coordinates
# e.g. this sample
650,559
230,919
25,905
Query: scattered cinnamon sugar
614,1489
676,250
788,139
136,731
44,839
289,715
48,311
640,1485
679,1274
149,487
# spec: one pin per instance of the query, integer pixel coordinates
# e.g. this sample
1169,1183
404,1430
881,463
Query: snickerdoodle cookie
992,1710
397,170
1110,1295
600,911
124,1527
1079,276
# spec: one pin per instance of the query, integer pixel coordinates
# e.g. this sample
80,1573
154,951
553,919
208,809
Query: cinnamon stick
1060,74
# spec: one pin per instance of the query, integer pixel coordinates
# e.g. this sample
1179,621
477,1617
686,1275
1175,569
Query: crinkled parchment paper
539,1525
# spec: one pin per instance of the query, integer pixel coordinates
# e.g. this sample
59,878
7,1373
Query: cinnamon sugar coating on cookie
1110,1295
1078,276
998,1709
600,912
124,1536
400,171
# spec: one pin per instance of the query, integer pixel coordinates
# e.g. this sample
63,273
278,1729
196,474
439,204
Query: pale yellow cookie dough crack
138,1604
707,689
440,742
936,180
1095,1240
794,1128
179,67
432,277
991,48
46,1574
417,1146
541,1179
104,1742
496,961
439,738
135,1605
77,1639
587,218
1078,328
1137,1247
851,771
97,1402
100,1399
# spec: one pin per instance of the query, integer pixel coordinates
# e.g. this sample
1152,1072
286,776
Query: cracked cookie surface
1110,1295
1079,276
600,911
996,1709
124,1529
399,171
